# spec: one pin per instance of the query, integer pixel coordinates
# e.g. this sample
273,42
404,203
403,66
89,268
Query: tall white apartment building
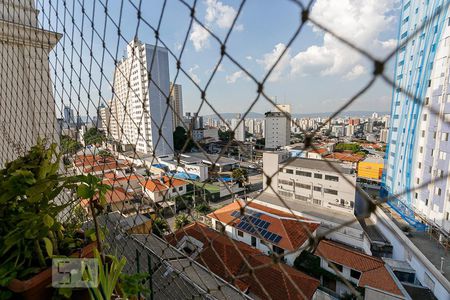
239,128
139,104
27,106
277,130
176,101
311,181
104,118
419,144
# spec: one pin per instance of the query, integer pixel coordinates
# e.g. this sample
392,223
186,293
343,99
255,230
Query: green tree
160,227
226,136
94,136
202,208
347,146
240,175
181,220
69,145
104,154
180,136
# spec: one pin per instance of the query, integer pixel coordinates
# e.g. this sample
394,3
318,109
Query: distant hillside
255,115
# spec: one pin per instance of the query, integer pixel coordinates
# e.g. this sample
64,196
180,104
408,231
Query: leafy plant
159,227
109,273
93,136
202,208
104,154
94,190
181,220
30,232
69,145
133,285
240,175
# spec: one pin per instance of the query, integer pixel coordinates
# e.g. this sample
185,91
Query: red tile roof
318,150
373,271
227,259
163,183
111,178
114,195
292,229
95,163
350,157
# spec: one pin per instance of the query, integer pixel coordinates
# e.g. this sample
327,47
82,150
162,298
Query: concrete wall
27,104
405,250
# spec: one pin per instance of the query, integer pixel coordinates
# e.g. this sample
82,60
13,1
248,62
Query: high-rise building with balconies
141,114
418,146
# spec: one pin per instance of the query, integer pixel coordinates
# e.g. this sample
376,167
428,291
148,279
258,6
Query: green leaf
48,246
84,191
48,220
66,292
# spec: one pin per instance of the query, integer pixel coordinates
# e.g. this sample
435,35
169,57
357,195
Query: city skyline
316,62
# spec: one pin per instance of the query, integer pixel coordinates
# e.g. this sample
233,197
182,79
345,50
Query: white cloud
249,57
360,24
269,60
199,37
235,76
220,14
220,68
194,76
354,73
217,14
238,27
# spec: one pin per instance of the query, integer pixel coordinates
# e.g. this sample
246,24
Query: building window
240,233
337,266
277,250
424,117
331,178
355,274
438,191
331,192
317,188
316,175
317,202
303,186
423,133
444,136
447,117
299,197
446,216
442,155
289,171
302,173
180,188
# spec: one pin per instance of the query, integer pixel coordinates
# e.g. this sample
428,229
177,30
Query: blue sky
317,73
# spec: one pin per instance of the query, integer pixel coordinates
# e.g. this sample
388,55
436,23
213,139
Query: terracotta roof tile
225,257
292,229
163,183
350,157
373,271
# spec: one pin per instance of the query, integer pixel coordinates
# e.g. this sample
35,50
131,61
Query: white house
164,188
266,229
